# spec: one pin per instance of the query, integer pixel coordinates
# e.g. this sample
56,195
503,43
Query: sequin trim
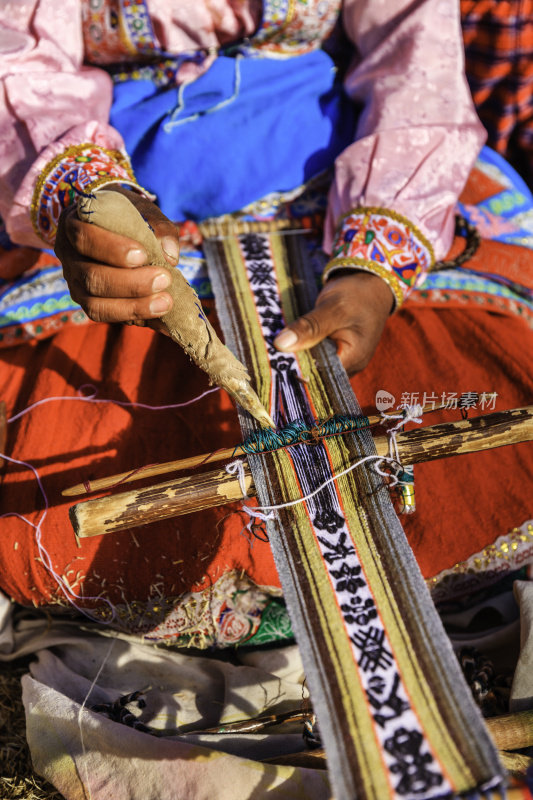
509,552
383,242
136,19
78,169
292,27
357,264
454,298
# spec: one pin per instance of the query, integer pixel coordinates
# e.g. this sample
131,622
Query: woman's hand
352,310
106,273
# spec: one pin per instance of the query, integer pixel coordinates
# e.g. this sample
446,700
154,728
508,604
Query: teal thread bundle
300,432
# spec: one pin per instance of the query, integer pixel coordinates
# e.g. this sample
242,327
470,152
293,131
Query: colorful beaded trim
115,30
291,27
383,242
136,18
78,169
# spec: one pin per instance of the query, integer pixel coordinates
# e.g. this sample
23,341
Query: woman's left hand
352,310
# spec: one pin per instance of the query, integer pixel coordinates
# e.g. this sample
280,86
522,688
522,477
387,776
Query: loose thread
44,555
409,414
265,513
82,708
237,468
92,398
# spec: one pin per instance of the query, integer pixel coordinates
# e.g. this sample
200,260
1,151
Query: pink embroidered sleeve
53,118
391,206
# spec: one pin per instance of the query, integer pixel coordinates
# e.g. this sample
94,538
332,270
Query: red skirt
472,511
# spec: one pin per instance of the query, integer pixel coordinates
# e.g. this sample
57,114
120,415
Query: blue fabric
510,210
244,129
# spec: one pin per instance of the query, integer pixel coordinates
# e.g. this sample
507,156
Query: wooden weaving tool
186,322
111,481
124,510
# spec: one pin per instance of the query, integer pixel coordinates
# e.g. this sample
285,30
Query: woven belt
395,715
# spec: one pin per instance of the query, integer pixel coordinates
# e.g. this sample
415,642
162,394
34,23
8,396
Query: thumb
308,330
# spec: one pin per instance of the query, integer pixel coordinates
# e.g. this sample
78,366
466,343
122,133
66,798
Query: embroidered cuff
380,241
78,169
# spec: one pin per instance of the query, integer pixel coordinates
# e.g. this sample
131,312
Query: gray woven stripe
433,649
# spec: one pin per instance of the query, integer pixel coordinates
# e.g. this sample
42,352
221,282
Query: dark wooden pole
193,493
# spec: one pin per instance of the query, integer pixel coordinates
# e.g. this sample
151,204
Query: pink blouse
416,141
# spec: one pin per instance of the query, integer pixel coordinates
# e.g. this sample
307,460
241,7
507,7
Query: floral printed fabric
233,611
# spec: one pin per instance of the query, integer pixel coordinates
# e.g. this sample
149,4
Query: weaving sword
395,715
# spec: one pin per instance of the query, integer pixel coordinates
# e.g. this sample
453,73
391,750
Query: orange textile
440,343
466,502
69,442
463,504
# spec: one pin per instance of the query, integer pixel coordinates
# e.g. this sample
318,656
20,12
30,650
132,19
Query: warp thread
289,435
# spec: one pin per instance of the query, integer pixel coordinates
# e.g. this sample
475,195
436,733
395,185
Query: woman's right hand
107,273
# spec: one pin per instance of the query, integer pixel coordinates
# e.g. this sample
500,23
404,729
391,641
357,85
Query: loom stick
185,322
194,493
508,732
170,499
111,481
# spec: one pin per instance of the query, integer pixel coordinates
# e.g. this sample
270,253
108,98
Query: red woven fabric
463,504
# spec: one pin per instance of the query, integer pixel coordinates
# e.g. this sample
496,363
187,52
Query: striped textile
395,716
498,38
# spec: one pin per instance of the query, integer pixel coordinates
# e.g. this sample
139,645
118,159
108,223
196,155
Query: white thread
92,398
82,708
259,510
410,414
237,468
44,555
180,106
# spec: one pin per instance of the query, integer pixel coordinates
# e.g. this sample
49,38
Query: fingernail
136,258
160,282
170,247
285,340
159,305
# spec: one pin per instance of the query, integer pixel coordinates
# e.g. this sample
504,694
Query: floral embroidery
114,30
292,27
81,168
275,625
225,614
380,241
